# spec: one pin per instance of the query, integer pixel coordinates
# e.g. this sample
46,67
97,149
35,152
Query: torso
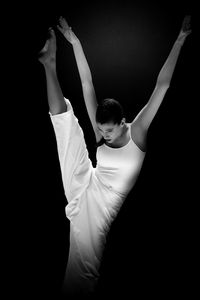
119,164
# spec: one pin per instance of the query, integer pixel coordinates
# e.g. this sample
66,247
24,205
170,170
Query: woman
95,195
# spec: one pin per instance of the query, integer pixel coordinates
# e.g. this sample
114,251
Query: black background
150,244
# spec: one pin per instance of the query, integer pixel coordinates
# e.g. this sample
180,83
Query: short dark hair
109,110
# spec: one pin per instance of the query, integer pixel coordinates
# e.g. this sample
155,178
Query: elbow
86,79
86,84
163,83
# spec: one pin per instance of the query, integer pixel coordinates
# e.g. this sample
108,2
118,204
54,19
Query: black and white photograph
106,151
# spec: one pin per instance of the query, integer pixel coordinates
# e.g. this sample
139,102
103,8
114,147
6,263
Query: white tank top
118,168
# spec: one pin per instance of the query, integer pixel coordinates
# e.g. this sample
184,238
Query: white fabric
94,196
119,167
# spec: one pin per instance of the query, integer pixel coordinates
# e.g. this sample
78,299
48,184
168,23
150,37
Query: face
110,131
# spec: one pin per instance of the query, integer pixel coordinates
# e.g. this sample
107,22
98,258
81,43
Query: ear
123,121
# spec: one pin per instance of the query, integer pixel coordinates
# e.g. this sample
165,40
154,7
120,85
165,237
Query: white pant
91,205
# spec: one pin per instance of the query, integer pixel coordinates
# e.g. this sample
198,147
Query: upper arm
91,106
140,125
148,112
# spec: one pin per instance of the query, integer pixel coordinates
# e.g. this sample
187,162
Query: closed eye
108,130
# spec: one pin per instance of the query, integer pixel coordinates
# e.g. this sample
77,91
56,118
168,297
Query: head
110,119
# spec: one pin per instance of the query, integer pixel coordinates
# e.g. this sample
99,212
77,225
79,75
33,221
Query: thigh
76,167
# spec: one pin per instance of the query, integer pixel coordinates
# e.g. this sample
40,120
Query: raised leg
47,57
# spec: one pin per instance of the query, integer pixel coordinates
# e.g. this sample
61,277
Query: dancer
95,194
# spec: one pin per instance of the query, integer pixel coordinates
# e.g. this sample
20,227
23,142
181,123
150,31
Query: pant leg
88,230
76,167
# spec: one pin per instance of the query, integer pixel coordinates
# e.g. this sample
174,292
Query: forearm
82,64
167,70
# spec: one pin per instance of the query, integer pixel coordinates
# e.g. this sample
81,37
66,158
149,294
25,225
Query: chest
124,158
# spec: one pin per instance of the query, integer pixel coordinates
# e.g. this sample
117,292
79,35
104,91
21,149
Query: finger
186,23
61,18
63,21
61,29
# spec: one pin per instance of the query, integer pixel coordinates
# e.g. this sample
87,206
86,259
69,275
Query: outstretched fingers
185,29
66,30
63,25
186,25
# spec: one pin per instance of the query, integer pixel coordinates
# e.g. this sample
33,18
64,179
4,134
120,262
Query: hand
185,29
67,31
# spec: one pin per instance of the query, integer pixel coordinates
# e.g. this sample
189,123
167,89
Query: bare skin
47,57
140,125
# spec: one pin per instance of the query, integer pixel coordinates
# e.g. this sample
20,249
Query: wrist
181,37
75,43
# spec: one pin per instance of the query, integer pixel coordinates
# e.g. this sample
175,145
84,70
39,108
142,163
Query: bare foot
47,55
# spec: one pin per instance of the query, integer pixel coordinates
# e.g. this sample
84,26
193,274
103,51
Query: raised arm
143,120
84,73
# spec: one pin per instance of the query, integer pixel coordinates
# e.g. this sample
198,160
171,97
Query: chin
109,141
